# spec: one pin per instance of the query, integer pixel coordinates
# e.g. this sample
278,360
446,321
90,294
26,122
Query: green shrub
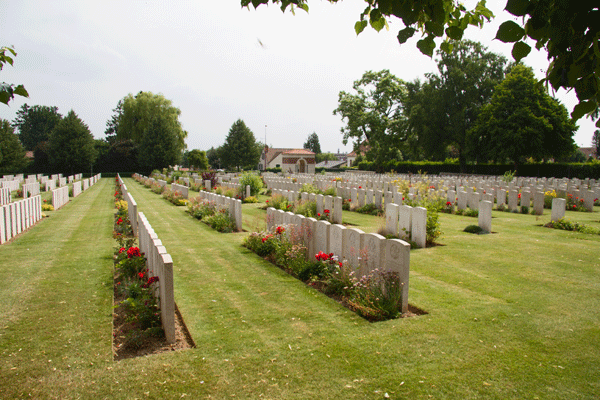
473,229
251,199
254,181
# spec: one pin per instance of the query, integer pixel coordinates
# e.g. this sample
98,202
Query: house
363,148
289,160
589,152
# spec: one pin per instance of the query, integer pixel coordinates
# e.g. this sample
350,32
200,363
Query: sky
217,62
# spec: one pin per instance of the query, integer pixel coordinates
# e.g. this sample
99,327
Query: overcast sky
281,74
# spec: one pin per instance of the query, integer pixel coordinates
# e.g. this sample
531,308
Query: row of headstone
407,222
184,190
31,189
77,188
329,203
364,252
234,206
5,196
18,216
132,211
159,264
60,197
12,185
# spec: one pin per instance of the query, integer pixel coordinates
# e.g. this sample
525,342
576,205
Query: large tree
71,146
522,121
35,124
568,30
240,149
136,113
160,146
374,113
312,143
197,158
12,154
453,97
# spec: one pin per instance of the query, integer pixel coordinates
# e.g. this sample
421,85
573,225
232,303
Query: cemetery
523,290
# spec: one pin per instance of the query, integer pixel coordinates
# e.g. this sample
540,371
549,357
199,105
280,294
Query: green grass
513,314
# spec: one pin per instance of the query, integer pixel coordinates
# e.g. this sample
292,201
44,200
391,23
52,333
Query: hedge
557,170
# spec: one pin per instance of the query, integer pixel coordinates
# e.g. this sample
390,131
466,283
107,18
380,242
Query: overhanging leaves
509,32
520,50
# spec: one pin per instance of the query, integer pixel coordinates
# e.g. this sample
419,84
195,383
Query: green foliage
250,199
8,90
442,110
139,114
312,143
568,225
308,208
35,124
12,154
374,114
320,157
240,149
522,121
160,144
369,209
254,181
473,229
221,221
197,158
596,142
278,202
71,145
508,176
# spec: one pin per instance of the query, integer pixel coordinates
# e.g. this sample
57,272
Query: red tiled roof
299,151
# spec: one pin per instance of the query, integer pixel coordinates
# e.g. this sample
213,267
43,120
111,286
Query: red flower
341,265
122,249
403,198
581,200
141,274
280,230
360,187
288,206
326,211
267,201
448,203
519,195
119,221
574,206
150,281
318,214
133,252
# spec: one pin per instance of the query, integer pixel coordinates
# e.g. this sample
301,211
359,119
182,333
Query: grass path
514,314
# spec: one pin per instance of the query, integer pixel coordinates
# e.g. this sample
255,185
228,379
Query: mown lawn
513,314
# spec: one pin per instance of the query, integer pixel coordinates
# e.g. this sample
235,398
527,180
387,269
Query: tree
312,143
160,145
522,121
452,99
374,113
569,31
138,112
214,157
596,142
71,146
8,90
12,154
197,158
35,124
112,125
325,157
240,149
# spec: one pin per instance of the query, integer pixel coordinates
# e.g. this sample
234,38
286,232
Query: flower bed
208,212
375,296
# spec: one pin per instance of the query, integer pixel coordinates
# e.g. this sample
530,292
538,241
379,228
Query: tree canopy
568,30
135,114
160,146
35,124
450,100
312,143
240,148
374,113
596,142
197,158
522,121
12,154
71,146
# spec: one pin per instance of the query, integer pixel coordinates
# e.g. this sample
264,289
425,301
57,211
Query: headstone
485,216
538,203
419,226
404,221
336,240
558,209
322,237
397,259
391,219
373,252
352,246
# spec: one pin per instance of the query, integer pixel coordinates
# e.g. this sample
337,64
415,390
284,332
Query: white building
289,160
